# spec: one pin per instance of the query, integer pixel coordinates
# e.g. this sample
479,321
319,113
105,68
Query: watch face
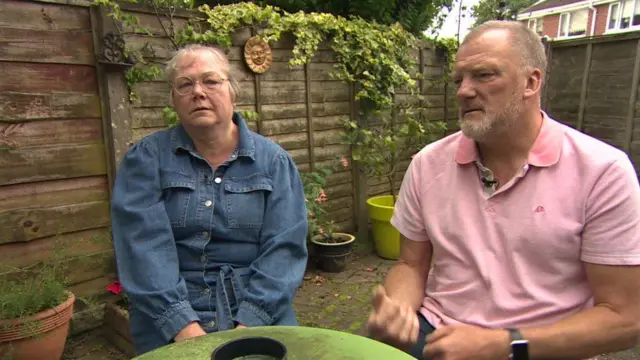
520,350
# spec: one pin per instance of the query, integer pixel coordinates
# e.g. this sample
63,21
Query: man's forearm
405,284
589,333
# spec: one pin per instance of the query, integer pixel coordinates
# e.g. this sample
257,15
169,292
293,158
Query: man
525,228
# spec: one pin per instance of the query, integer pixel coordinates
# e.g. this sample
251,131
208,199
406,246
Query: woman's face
201,91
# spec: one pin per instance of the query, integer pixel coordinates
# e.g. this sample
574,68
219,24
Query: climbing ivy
377,59
448,47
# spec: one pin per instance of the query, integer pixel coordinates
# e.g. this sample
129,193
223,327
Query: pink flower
322,197
115,288
344,162
321,231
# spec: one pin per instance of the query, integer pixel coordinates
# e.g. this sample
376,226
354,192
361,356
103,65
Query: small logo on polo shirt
539,209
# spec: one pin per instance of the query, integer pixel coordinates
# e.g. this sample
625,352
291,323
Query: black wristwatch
519,345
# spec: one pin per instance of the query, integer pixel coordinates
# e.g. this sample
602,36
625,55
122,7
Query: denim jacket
217,246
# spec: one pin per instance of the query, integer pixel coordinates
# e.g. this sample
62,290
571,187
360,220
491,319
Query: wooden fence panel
593,87
65,123
54,192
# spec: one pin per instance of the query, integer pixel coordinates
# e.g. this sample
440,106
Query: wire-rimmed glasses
184,85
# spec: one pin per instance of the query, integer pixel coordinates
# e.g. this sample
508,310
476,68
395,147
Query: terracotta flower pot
41,336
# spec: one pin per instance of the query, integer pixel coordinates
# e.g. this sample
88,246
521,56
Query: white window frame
535,23
616,28
567,36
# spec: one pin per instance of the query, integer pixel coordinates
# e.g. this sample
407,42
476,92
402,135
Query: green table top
301,342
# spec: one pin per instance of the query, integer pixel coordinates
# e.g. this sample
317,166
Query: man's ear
534,83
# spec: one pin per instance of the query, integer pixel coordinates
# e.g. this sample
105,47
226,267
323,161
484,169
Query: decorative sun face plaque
257,55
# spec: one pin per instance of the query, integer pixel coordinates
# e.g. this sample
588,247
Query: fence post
583,86
310,139
632,100
545,85
257,87
359,176
113,90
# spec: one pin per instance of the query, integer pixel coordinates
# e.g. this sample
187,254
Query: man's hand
391,322
190,331
462,342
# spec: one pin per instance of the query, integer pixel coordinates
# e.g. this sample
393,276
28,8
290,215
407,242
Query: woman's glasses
184,85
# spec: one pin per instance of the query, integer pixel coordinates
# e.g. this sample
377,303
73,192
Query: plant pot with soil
332,249
328,247
34,317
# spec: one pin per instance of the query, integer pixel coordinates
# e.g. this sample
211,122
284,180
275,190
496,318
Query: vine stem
155,8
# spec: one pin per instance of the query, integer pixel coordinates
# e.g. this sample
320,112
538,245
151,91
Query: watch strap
515,335
519,345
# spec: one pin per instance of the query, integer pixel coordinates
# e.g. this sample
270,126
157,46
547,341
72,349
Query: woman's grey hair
525,42
171,67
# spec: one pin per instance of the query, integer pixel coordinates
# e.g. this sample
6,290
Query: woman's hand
190,331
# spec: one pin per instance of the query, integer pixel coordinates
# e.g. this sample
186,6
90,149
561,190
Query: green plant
381,148
45,290
447,48
42,285
142,68
314,182
414,15
328,233
375,57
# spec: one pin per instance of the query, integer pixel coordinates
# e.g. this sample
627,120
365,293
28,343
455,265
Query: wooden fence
65,121
593,86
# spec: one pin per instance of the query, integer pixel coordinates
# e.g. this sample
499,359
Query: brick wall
551,22
589,20
550,26
601,18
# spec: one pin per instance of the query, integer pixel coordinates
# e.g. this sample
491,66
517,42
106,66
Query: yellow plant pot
385,237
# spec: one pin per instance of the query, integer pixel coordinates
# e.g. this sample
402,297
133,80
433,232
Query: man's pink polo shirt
514,257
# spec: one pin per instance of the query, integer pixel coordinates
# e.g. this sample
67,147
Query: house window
539,26
535,25
623,15
573,23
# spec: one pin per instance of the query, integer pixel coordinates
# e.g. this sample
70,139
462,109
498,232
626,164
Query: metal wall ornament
258,55
113,54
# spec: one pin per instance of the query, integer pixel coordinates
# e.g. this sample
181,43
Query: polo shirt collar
545,151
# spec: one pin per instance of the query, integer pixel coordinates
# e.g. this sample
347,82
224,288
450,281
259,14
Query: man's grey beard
493,125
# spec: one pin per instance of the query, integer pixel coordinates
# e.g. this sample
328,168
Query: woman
209,219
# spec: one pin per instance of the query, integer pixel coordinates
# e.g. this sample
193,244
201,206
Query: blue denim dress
217,246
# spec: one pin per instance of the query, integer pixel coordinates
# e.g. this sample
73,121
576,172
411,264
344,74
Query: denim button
205,234
208,203
218,180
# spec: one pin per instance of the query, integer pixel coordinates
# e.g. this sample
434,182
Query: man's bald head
524,42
